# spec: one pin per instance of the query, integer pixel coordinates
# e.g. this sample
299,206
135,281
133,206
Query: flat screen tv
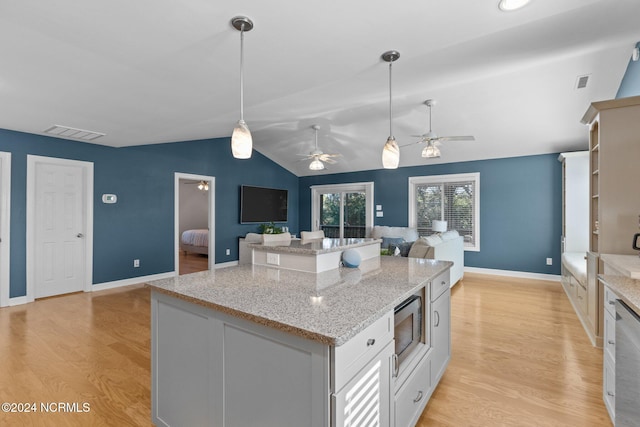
260,204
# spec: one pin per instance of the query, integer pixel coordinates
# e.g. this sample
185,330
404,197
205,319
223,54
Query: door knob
80,235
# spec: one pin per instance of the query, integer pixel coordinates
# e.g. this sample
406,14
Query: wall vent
581,81
73,133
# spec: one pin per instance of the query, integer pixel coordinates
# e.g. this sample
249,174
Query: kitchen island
261,346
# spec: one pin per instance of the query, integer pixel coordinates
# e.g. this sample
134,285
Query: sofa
405,241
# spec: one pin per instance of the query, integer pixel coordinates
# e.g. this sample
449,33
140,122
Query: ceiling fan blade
330,161
414,143
457,138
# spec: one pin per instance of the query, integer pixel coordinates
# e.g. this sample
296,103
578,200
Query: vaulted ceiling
155,71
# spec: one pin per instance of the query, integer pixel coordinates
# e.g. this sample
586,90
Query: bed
196,241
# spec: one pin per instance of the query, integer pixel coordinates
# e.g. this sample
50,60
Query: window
452,198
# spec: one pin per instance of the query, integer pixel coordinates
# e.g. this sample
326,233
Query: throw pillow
388,241
403,248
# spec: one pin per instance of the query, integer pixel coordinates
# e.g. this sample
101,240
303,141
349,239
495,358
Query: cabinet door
440,335
365,400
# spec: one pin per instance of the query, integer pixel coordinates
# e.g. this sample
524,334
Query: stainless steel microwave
408,327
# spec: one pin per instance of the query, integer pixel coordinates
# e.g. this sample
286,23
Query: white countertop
626,288
314,246
330,307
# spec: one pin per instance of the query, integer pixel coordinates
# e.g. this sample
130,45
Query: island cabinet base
211,369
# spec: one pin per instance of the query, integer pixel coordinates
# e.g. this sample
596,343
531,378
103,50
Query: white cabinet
440,335
417,381
212,369
364,400
609,356
412,396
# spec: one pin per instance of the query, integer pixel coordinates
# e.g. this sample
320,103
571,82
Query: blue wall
630,85
520,207
141,224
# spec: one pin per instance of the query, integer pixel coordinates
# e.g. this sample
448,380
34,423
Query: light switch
379,214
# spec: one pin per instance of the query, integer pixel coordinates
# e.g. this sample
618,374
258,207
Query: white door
5,189
342,210
59,229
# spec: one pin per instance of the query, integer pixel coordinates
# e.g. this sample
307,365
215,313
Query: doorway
59,226
343,210
194,223
5,211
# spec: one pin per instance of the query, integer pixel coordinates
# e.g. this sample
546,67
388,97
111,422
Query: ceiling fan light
431,151
390,154
316,165
241,141
201,185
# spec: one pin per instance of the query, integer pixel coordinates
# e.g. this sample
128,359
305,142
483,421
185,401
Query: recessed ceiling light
509,5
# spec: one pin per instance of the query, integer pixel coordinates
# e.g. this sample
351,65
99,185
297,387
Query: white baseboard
226,264
18,301
510,273
131,281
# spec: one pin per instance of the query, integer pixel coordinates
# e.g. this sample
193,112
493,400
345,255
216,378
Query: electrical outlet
136,263
273,259
228,251
549,261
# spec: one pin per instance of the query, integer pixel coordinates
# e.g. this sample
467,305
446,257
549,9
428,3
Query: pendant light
390,152
241,142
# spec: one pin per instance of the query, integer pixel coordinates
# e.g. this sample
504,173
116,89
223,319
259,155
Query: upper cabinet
614,146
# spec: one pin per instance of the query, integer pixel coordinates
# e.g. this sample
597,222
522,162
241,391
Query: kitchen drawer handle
370,342
580,297
437,318
612,303
396,364
418,397
610,394
443,283
612,342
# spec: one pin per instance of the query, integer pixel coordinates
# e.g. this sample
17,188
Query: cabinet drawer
350,357
610,301
609,387
581,298
609,335
413,395
439,284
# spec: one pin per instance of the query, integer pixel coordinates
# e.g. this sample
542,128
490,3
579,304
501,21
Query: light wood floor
192,262
520,358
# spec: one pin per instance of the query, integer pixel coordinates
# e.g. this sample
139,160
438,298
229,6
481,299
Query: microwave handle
396,366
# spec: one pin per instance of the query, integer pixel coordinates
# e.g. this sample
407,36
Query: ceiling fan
433,140
202,185
317,157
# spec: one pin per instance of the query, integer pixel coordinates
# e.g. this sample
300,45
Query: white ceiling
154,71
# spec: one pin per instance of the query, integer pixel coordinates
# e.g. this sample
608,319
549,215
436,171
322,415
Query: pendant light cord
390,103
242,72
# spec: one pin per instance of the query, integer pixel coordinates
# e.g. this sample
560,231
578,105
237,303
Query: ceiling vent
581,81
73,133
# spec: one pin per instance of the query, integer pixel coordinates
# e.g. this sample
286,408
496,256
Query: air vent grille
73,133
581,81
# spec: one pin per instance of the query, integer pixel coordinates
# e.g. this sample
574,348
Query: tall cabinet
614,147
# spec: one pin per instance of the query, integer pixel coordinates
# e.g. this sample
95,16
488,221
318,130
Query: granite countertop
626,288
314,246
330,307
628,265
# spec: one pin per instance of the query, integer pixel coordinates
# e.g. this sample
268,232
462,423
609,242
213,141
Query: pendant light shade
391,151
241,141
390,154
